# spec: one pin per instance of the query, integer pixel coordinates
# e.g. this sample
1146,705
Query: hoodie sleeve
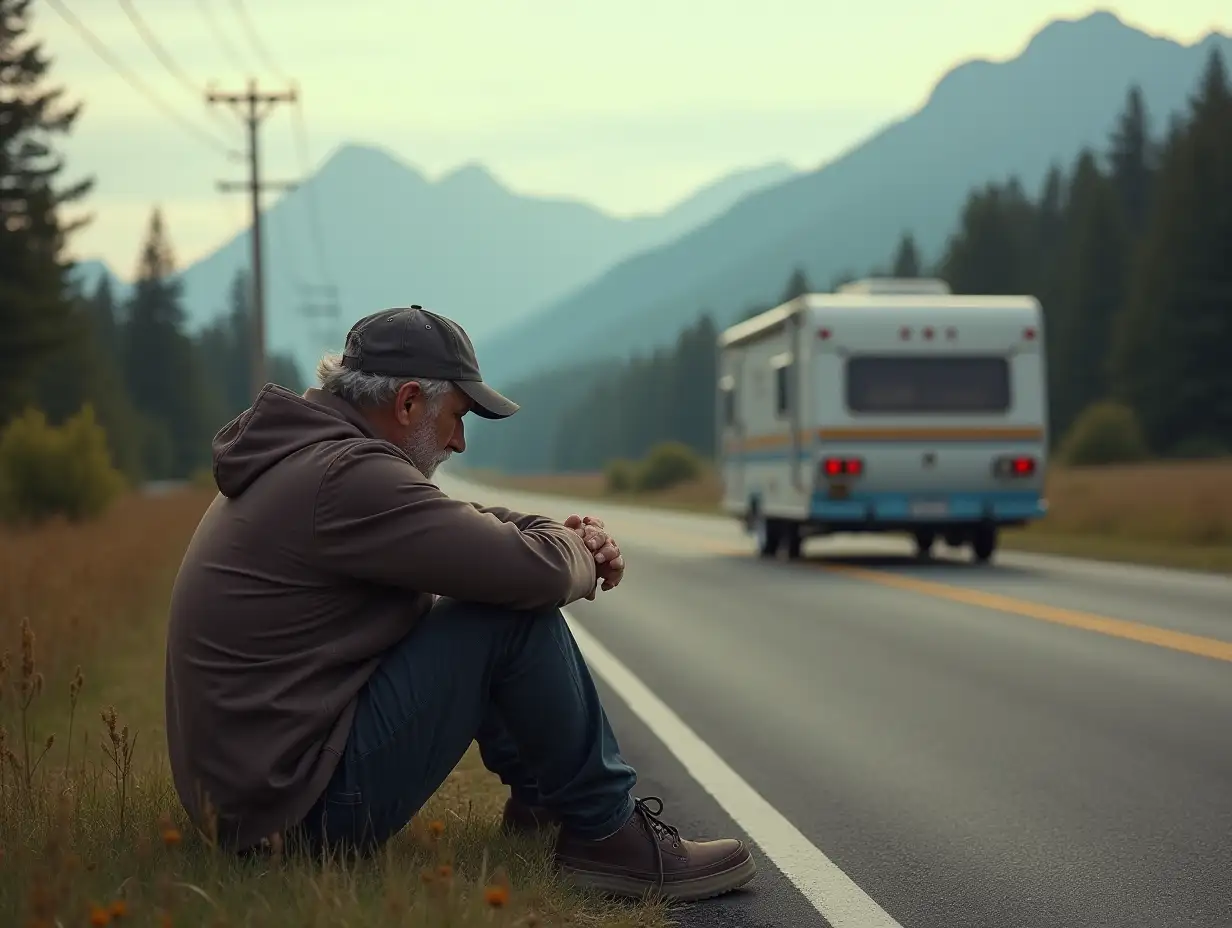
378,519
520,519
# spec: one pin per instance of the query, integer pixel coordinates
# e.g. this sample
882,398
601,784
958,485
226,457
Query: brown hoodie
322,549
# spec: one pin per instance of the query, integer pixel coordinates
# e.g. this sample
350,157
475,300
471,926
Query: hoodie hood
277,425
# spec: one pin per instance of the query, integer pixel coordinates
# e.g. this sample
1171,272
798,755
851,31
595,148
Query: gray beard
422,449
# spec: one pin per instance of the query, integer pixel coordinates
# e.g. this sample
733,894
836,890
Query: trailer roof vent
875,286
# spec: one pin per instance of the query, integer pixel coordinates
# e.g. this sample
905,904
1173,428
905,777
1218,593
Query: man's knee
466,611
499,623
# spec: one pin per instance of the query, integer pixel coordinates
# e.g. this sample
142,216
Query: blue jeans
513,681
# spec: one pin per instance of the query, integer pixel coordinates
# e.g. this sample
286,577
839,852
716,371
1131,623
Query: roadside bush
620,476
1105,433
667,465
47,470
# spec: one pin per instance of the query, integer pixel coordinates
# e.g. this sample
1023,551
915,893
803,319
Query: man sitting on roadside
341,631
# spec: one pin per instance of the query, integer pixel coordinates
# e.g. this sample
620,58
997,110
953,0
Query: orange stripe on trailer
932,434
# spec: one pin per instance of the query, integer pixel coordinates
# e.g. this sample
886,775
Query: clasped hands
609,562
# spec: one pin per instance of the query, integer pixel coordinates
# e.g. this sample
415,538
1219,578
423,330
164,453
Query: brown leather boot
524,819
648,855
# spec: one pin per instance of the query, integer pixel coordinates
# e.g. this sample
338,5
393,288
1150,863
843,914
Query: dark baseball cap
413,342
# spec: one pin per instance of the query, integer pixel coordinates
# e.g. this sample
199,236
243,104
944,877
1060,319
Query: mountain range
464,242
984,121
534,278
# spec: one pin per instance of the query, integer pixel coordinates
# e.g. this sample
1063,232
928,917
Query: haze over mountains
533,279
464,243
984,121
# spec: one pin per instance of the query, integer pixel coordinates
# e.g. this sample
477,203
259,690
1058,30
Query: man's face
431,430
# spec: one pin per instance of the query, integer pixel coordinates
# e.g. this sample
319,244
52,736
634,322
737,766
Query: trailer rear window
928,385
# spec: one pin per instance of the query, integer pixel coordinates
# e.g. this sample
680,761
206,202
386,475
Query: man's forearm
522,520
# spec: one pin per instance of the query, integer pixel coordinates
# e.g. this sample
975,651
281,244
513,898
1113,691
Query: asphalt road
1038,742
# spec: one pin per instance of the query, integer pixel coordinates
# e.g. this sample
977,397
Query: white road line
832,893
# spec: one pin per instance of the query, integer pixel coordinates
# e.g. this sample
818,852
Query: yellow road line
1088,621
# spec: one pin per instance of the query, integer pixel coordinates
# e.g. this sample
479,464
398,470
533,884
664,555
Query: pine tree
1046,247
1172,351
164,370
906,258
105,314
992,251
35,307
1092,277
1132,158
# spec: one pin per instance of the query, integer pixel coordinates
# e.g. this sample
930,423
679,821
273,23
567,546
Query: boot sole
691,890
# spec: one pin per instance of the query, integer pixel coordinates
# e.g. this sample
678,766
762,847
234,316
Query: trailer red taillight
1020,466
842,467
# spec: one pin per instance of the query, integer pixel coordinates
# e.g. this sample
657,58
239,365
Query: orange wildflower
496,896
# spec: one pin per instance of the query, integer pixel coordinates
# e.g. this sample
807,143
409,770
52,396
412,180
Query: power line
165,58
299,127
228,48
255,40
136,83
314,216
329,308
254,106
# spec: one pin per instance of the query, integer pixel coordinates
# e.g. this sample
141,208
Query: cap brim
488,403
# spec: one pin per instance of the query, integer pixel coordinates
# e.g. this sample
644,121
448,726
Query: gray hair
368,390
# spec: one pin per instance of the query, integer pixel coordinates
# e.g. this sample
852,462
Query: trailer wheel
924,541
793,539
768,535
984,543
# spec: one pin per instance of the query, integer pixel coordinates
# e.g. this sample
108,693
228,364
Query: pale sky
627,106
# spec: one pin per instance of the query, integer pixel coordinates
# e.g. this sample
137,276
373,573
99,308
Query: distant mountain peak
355,157
1062,36
471,175
1060,44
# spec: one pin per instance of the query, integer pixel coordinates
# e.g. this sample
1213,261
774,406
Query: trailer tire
793,539
984,543
924,541
768,534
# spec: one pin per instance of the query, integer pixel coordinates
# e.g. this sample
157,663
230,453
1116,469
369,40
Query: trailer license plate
929,508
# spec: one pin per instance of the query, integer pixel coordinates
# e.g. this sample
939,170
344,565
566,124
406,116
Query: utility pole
322,315
253,106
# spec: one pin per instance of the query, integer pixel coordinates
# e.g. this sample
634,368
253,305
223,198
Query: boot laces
659,829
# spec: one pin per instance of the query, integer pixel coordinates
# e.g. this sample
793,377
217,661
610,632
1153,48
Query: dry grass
91,832
1176,514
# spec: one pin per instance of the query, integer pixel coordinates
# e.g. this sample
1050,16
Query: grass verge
91,831
1170,514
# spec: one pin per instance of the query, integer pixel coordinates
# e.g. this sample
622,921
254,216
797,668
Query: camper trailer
886,406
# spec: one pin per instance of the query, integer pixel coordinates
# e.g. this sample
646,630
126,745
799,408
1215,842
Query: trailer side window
937,385
727,389
782,384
